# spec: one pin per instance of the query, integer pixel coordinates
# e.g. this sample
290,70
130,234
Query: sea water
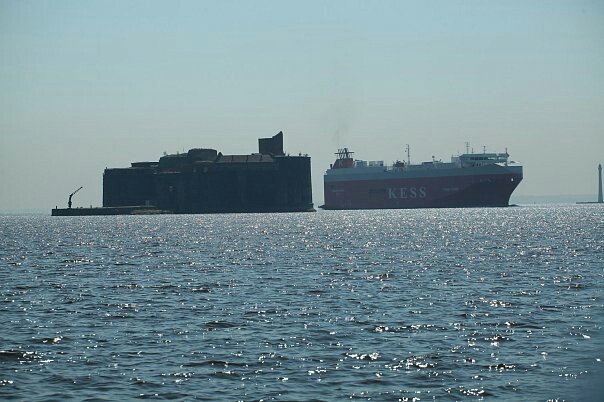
444,304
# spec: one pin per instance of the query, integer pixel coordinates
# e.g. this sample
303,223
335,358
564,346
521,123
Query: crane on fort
71,195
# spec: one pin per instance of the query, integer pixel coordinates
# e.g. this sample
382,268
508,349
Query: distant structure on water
203,180
600,198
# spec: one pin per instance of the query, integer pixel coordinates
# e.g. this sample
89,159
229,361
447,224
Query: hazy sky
86,85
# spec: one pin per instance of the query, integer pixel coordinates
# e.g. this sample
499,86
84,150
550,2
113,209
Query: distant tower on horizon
600,199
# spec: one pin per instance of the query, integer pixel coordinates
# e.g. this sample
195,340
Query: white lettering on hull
407,192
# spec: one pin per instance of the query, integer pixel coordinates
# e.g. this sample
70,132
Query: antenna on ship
408,155
467,147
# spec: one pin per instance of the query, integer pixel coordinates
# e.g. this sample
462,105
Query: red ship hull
479,190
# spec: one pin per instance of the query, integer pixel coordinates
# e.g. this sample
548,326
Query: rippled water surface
441,304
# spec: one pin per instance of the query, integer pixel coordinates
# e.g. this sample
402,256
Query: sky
96,84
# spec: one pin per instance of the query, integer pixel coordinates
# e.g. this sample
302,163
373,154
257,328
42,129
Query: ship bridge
471,160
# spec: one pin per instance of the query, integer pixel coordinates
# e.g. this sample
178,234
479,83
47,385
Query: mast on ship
344,159
344,153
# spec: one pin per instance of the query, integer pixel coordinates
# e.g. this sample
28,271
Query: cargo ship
469,180
204,180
